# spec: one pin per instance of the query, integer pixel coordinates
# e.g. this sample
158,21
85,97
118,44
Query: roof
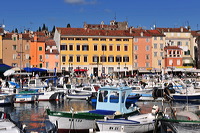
24,35
172,47
173,29
50,43
96,32
155,33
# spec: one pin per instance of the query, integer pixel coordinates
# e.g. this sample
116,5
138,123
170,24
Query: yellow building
97,51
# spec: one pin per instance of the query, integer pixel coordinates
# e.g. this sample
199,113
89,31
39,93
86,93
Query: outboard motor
50,127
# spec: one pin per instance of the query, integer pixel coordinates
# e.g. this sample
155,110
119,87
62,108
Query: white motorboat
6,99
132,124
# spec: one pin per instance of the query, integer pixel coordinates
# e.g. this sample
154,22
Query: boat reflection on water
33,115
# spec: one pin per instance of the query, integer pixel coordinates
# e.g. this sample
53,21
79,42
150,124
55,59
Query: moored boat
76,121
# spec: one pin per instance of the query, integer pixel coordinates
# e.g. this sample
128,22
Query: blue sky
32,14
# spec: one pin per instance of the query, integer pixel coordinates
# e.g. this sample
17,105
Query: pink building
52,57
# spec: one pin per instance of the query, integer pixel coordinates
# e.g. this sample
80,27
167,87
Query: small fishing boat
6,99
138,123
8,126
131,99
83,121
79,96
181,121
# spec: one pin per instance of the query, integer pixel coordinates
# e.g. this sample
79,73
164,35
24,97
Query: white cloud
81,2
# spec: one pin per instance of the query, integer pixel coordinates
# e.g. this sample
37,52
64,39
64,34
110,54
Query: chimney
181,29
141,34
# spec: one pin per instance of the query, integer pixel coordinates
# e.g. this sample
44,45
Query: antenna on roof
115,17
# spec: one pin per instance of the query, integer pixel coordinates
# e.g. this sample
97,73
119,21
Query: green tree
68,26
54,29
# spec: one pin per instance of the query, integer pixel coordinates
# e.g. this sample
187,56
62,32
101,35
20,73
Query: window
71,47
155,45
27,56
186,43
125,39
125,59
95,59
155,38
63,58
95,39
161,38
147,39
14,56
159,63
40,48
135,39
110,39
56,56
187,52
161,54
85,58
70,38
179,43
103,39
85,39
136,57
147,48
118,59
14,47
63,38
147,57
78,38
170,62
178,62
103,58
47,56
135,64
117,39
110,47
155,54
78,47
110,69
118,47
40,65
95,47
63,47
47,64
110,59
40,58
85,47
161,46
56,64
135,47
125,48
103,48
27,47
70,58
147,64
78,58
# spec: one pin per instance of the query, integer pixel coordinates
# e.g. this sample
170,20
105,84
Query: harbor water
33,115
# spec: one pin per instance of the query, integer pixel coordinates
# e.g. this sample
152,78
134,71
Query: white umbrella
8,72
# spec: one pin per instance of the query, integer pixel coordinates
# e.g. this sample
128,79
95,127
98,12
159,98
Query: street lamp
118,69
125,69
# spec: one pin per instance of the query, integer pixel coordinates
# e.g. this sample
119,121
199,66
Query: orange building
37,52
142,50
173,56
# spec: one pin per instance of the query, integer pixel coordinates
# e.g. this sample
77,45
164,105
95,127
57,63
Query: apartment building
97,51
180,37
16,49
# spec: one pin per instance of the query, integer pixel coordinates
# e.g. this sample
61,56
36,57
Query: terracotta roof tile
172,29
171,47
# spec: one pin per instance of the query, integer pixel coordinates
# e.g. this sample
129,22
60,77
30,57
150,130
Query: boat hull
125,126
190,97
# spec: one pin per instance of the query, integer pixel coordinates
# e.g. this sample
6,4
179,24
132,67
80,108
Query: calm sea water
34,116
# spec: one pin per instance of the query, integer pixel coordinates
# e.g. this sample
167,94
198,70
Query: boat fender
155,109
118,113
